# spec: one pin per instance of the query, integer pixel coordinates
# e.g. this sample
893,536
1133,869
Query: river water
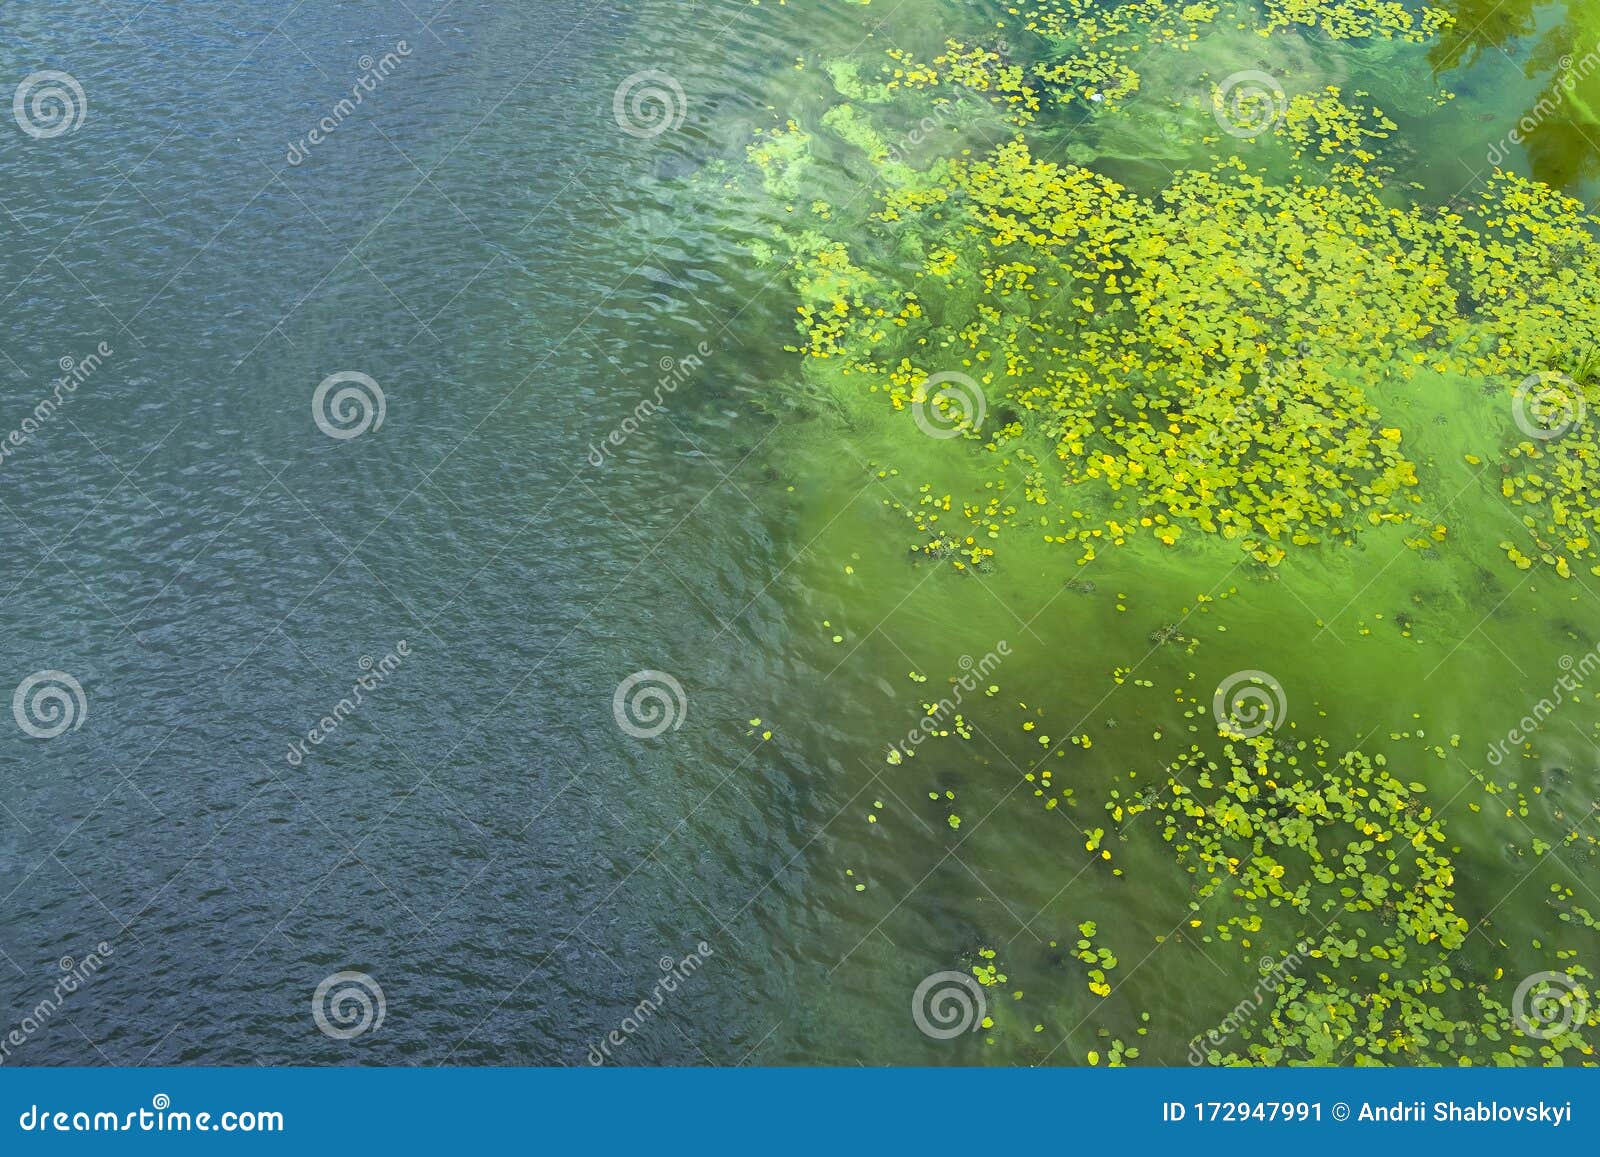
483,239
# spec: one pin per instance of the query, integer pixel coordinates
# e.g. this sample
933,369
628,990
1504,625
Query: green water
1427,657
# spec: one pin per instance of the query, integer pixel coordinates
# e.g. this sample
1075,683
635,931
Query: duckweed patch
1223,356
1258,356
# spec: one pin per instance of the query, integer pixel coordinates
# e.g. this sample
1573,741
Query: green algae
1342,19
1244,352
1114,332
1350,865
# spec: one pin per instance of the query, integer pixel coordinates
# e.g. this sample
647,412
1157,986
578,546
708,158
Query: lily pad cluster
1359,19
1331,862
1244,350
1218,356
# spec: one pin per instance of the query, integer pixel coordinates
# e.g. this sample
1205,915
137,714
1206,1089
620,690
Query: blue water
480,239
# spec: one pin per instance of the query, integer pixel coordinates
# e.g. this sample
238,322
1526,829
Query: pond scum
1230,353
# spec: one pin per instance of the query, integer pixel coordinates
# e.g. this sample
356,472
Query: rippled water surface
481,240
479,837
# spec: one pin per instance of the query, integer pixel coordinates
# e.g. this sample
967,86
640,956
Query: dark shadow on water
1560,129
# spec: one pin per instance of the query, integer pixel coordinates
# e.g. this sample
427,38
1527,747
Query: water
480,838
482,241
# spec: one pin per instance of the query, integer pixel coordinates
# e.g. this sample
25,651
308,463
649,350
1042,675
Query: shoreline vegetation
1168,272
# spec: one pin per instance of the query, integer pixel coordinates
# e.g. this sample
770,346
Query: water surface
483,240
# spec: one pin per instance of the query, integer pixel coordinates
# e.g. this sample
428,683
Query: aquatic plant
1246,350
1330,857
1218,357
1344,19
